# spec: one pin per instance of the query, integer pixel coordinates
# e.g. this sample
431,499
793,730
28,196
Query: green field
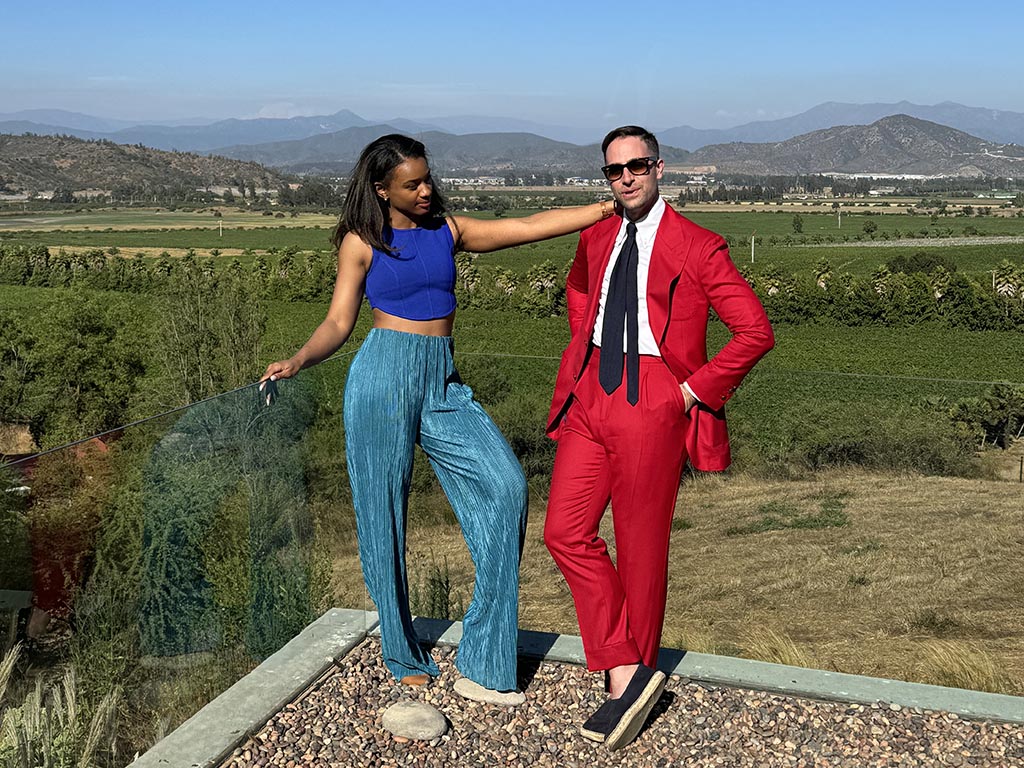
258,238
830,376
858,259
739,224
816,371
151,233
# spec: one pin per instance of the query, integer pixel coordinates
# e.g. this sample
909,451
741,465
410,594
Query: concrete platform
209,736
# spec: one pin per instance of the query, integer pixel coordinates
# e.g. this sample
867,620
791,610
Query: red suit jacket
690,271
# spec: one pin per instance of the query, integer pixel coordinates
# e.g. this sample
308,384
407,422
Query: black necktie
620,310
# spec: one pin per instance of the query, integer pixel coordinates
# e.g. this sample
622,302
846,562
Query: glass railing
150,568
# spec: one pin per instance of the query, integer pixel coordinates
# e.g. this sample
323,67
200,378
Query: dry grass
50,726
10,659
15,439
963,665
919,560
1007,464
777,647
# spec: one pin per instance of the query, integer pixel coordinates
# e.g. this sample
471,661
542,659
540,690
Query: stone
414,720
476,692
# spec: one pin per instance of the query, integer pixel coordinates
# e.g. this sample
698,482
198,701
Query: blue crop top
418,282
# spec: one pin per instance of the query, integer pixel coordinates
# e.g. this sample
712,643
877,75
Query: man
635,396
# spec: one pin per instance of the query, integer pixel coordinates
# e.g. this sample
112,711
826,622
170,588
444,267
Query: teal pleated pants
403,389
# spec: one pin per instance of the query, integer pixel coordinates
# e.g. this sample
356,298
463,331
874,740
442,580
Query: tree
921,261
881,280
798,223
870,227
466,273
939,280
545,290
1007,280
822,274
211,329
86,365
16,371
62,195
506,280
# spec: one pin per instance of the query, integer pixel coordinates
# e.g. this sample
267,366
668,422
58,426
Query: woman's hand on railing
282,369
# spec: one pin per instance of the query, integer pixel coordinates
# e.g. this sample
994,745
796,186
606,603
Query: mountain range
458,155
990,124
896,145
196,135
891,146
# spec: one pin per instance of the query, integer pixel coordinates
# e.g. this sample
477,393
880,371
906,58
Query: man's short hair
632,130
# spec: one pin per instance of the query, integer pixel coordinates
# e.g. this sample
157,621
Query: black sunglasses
638,166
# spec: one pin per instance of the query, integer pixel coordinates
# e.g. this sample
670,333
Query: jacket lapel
667,260
598,258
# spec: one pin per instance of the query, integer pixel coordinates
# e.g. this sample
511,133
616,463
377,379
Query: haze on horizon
587,65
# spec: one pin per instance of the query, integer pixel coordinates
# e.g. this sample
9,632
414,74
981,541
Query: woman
396,246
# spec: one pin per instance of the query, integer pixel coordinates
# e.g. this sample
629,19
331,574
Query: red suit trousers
633,456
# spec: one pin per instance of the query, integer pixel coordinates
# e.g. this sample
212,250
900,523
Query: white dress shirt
646,229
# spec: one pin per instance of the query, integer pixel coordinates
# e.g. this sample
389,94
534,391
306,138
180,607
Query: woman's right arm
353,263
486,235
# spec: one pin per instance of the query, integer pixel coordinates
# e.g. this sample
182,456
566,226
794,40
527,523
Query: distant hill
18,127
197,135
195,138
339,147
893,145
50,162
991,124
202,136
449,153
463,124
64,120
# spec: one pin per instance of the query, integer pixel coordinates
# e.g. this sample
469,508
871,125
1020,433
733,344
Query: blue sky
705,64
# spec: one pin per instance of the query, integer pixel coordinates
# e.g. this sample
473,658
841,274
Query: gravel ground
337,723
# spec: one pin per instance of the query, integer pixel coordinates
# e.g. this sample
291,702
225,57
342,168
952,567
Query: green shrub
888,438
921,261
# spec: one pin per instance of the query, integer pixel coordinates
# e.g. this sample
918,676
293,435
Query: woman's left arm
485,235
